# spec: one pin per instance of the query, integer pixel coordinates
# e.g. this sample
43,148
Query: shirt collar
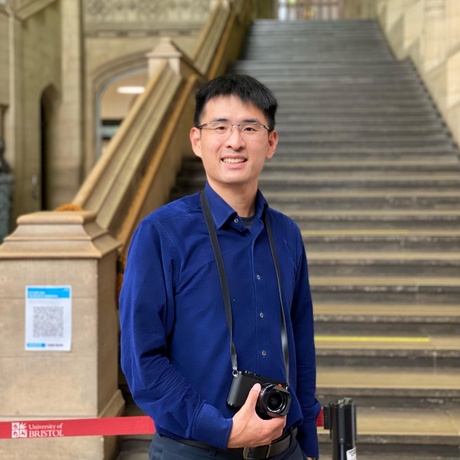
222,212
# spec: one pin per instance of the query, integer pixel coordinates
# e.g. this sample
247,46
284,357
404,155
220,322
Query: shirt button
258,277
264,353
235,220
261,314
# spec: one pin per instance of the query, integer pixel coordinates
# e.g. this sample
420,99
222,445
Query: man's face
232,160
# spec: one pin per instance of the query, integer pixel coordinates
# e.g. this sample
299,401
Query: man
191,328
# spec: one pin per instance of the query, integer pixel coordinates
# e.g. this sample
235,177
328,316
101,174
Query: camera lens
274,401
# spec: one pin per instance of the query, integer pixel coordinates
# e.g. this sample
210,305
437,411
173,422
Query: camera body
274,398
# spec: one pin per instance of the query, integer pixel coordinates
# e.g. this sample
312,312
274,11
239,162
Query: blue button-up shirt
175,341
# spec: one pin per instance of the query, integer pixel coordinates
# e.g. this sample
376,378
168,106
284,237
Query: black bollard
340,419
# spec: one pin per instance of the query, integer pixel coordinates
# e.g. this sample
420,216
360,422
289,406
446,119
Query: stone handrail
139,167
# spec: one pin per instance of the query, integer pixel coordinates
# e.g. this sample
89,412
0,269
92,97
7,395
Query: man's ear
272,144
195,140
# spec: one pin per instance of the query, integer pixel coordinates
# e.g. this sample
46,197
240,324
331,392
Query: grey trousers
163,448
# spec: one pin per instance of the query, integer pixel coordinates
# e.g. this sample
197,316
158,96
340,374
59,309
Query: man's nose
235,136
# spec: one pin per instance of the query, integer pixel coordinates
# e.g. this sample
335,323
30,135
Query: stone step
342,121
286,95
409,86
323,75
330,79
370,167
336,72
373,199
402,434
401,219
291,201
382,290
343,146
273,181
304,129
341,327
349,318
363,174
383,241
311,62
402,108
364,52
394,349
435,264
391,387
312,36
351,107
290,152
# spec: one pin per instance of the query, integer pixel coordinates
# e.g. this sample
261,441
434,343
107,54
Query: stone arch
97,84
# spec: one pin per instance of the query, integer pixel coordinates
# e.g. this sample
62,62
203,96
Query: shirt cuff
211,427
307,438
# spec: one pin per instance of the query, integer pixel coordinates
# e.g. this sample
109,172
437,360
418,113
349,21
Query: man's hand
249,430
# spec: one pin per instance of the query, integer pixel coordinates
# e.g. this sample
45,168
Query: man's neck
242,201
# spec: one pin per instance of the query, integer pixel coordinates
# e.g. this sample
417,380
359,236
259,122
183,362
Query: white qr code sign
48,318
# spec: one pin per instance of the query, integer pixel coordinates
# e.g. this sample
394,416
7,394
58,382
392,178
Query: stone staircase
367,169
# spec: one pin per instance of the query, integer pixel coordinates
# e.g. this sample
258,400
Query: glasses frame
204,125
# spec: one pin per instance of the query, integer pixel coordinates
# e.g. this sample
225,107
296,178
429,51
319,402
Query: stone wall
428,32
29,64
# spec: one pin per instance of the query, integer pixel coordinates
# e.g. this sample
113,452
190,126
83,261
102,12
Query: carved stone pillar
55,249
165,50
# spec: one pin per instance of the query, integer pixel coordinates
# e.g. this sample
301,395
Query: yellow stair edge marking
327,338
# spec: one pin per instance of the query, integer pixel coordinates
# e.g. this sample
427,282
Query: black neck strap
224,284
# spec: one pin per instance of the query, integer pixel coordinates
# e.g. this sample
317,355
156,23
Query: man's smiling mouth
233,161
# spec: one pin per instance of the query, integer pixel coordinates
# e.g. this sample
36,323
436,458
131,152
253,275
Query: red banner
105,426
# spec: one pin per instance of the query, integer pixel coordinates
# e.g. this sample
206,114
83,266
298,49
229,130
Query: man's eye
249,128
222,128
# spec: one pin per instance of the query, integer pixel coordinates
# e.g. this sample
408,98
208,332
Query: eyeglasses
249,130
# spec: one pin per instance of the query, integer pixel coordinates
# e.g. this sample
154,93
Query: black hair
247,88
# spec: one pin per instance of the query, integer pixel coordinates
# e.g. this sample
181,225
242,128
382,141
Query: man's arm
147,319
302,320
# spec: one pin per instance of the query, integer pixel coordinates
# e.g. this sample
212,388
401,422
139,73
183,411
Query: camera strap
224,284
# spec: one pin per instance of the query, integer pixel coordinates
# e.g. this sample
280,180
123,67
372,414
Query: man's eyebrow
247,120
251,120
219,119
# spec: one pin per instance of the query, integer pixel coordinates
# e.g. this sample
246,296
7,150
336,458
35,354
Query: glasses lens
251,129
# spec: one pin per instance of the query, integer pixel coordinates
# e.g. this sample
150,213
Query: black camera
274,398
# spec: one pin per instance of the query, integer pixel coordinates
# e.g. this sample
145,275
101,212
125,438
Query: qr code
48,321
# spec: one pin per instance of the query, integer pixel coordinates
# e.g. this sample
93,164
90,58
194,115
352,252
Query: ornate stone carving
147,15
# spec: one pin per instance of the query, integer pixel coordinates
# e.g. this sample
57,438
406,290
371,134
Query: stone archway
97,83
113,102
